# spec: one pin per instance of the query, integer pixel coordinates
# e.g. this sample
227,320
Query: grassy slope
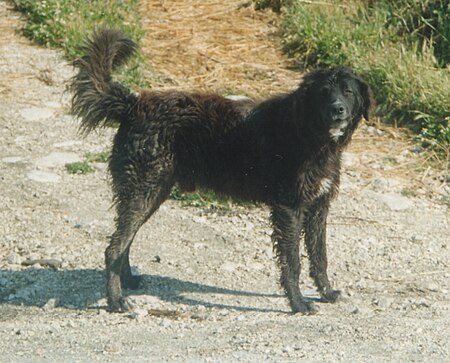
408,86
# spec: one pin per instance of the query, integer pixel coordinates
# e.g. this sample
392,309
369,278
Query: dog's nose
338,109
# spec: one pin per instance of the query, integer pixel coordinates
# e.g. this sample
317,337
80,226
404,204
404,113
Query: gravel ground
209,291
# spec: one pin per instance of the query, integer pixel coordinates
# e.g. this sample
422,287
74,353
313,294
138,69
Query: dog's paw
122,305
131,282
305,308
331,296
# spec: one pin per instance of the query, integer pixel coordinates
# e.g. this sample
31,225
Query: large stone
43,177
57,159
36,113
394,201
12,159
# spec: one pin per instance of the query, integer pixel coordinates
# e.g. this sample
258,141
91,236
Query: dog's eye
348,92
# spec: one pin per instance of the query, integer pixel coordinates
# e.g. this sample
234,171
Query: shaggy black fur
284,152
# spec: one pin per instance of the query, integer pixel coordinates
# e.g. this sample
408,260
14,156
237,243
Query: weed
409,193
204,199
80,167
101,157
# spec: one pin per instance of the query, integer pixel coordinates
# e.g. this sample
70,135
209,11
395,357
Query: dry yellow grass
221,46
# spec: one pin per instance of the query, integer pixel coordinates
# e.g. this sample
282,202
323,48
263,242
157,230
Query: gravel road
210,291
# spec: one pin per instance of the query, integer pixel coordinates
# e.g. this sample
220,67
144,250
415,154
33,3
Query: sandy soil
209,291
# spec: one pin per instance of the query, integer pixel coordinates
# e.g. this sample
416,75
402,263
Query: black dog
284,152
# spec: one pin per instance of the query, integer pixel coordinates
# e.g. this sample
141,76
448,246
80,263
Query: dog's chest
318,180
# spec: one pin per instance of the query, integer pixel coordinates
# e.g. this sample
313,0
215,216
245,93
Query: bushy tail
98,100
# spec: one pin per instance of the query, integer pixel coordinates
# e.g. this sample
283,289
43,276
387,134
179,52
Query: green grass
405,69
65,24
79,167
86,166
101,157
203,199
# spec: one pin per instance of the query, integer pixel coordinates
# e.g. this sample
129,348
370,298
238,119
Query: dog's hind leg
127,279
287,223
133,212
315,240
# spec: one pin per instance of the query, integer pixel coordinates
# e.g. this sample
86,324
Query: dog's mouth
337,129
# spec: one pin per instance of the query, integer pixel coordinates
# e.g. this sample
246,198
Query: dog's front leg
315,240
287,224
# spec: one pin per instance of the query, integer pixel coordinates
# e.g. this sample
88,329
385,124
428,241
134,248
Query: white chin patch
337,132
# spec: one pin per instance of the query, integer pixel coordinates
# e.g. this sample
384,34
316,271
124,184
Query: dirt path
211,294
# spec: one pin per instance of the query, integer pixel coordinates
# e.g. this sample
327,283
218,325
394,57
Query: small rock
139,313
229,267
383,302
51,304
43,176
165,324
249,226
100,166
14,259
373,131
383,184
198,219
68,143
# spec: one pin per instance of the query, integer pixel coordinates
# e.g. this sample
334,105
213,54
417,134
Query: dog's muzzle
337,128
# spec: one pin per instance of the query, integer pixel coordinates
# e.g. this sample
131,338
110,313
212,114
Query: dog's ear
367,99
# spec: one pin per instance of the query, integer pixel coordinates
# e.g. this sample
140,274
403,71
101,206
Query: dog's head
337,99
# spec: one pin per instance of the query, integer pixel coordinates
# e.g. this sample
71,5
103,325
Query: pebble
14,259
228,267
373,131
384,184
198,219
165,324
51,304
68,143
383,302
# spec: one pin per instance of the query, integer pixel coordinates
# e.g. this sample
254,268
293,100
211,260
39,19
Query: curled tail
98,100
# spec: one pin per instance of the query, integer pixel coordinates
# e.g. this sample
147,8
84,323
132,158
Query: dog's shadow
84,288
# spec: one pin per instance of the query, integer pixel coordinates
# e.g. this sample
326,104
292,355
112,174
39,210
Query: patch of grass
203,199
384,41
85,166
79,167
65,24
409,193
101,157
